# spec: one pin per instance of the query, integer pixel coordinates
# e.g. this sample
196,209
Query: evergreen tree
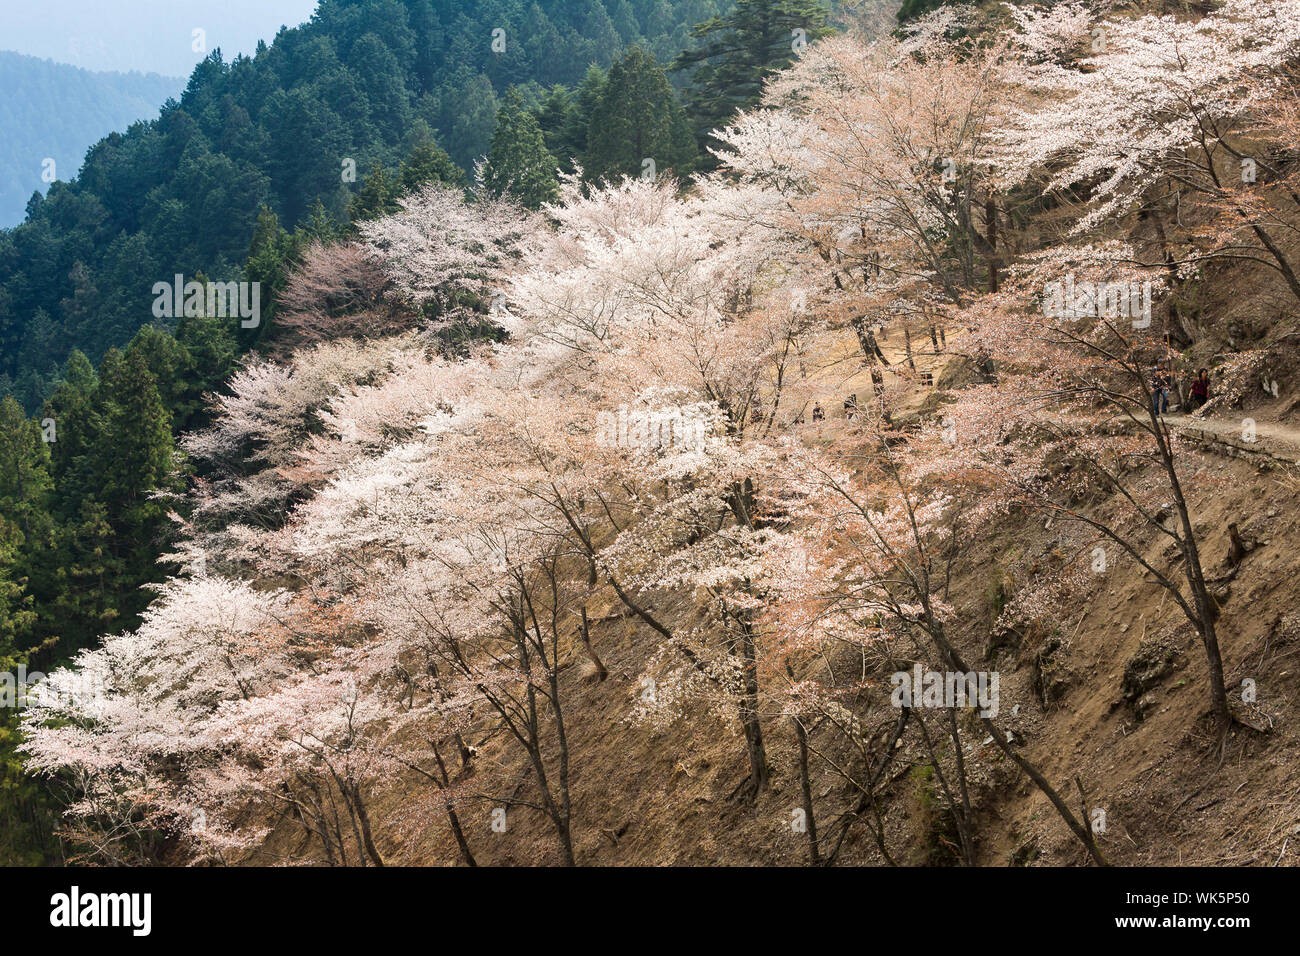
70,409
565,117
211,354
269,259
134,457
26,525
320,225
90,579
519,162
467,114
637,120
171,368
134,446
377,196
25,484
17,616
28,813
555,114
428,163
739,50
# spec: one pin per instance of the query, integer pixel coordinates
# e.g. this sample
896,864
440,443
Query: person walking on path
1160,383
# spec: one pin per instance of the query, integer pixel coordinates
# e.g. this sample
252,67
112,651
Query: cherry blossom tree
1077,414
337,291
449,253
396,546
1160,110
863,571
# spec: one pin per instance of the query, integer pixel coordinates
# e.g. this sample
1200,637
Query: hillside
1168,802
915,482
305,119
1107,693
92,491
56,112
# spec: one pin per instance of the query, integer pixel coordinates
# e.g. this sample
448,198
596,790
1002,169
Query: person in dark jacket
1159,390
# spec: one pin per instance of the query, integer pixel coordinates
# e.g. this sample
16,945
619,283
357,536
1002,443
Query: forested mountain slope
304,119
91,500
51,111
826,507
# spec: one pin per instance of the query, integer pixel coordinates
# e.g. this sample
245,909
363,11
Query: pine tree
428,163
89,579
320,225
556,116
17,617
170,366
467,116
28,814
25,484
269,257
637,121
211,353
519,163
134,444
739,51
565,117
26,524
377,196
70,411
134,455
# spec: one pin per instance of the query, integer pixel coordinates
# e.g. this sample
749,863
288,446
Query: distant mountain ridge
53,111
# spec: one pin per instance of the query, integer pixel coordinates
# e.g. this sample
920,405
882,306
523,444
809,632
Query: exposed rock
1051,673
1153,661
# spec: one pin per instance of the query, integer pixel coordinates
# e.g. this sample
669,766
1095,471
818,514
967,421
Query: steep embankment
1114,694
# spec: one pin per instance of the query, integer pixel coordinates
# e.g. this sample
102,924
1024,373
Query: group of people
1162,382
850,409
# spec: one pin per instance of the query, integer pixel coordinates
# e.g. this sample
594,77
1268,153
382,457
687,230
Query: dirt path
1270,438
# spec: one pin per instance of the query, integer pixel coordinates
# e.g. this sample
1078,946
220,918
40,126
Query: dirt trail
1270,438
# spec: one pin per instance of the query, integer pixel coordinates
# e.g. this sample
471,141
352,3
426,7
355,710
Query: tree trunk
805,785
1205,608
991,227
601,672
1080,830
758,769
364,818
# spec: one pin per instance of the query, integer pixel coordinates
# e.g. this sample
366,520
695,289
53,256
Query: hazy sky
147,35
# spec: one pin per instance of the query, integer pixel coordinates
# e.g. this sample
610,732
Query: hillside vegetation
845,502
89,501
306,119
